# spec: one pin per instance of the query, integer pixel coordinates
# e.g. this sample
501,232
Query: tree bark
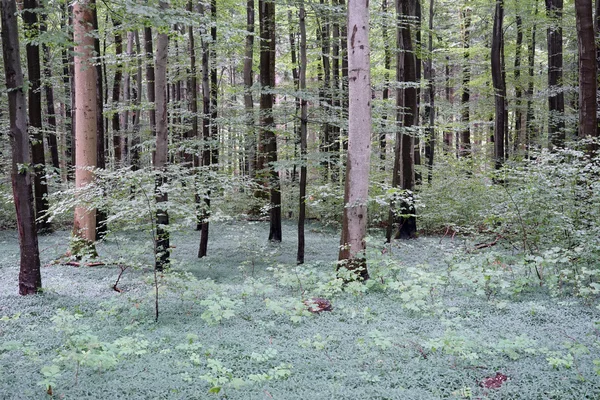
40,188
556,99
162,247
588,124
250,142
499,85
30,280
303,134
118,140
430,98
354,221
530,126
519,126
85,122
49,93
266,15
465,139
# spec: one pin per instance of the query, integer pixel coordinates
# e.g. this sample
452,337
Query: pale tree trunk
40,189
356,191
588,125
303,133
162,251
85,124
499,85
30,280
556,98
268,140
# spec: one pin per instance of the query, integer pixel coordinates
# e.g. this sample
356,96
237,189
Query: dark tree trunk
519,141
588,125
499,85
150,78
556,99
296,78
190,158
137,94
597,32
530,126
49,93
447,134
162,247
40,188
118,140
250,140
214,88
303,135
325,96
430,99
267,124
387,64
415,10
465,137
344,94
30,280
101,225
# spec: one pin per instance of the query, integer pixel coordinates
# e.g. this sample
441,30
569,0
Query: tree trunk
430,99
303,134
465,139
116,95
387,65
556,99
266,15
150,78
499,85
162,251
250,142
588,124
354,222
597,33
519,126
85,122
101,225
30,280
135,140
214,88
40,188
530,126
49,92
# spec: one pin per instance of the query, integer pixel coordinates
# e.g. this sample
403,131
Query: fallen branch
480,246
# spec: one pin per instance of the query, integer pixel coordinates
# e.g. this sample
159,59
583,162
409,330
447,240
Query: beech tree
500,121
85,124
30,280
588,124
556,97
354,219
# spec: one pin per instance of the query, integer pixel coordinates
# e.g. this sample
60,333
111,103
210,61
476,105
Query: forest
300,199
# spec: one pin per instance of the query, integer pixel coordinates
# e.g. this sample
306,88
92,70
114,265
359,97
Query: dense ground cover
436,321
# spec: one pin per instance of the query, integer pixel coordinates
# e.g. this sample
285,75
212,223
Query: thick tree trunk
303,134
162,247
387,64
556,99
85,122
30,280
465,136
356,191
40,188
499,85
267,124
588,124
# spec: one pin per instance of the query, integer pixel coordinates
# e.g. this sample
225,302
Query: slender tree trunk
597,33
303,134
214,88
588,123
296,78
430,98
499,85
408,222
530,126
162,251
267,124
415,11
135,140
325,96
116,95
250,140
354,221
191,159
387,64
101,225
49,93
150,78
465,137
30,280
519,126
85,122
203,225
40,188
556,99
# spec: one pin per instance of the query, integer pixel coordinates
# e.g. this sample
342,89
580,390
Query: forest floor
235,324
